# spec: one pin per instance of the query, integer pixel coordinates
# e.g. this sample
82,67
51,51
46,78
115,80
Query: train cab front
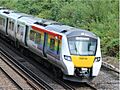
86,58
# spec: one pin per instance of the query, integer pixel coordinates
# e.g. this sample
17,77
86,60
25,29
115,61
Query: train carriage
75,52
10,18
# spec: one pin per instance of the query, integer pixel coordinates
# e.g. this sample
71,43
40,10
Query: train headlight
97,59
68,58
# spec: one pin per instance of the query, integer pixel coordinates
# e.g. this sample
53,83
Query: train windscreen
83,46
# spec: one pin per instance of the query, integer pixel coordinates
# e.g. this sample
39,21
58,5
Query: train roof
47,24
22,17
44,22
70,31
59,28
36,21
80,32
27,20
1,8
13,14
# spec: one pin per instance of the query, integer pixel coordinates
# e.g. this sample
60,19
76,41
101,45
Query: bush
112,47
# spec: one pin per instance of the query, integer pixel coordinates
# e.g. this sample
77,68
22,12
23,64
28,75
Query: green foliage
113,47
8,3
98,16
45,14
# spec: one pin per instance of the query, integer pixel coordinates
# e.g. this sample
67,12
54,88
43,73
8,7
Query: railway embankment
108,78
111,62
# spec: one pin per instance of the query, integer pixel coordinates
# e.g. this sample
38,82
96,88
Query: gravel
112,60
107,80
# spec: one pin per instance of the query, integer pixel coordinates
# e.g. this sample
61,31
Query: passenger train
76,52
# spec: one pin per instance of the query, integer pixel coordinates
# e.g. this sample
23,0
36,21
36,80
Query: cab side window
52,44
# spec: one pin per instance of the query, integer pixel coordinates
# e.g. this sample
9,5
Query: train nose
83,61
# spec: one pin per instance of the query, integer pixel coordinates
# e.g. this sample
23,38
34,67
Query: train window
52,44
18,28
2,21
38,38
21,29
32,35
11,25
82,46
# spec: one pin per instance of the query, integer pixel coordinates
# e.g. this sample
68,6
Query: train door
20,32
26,34
6,28
11,28
36,41
53,47
45,44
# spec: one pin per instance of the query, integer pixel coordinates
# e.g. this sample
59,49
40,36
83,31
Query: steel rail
11,78
28,73
67,87
91,86
60,82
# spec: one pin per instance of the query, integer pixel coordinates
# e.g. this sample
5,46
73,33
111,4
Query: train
75,52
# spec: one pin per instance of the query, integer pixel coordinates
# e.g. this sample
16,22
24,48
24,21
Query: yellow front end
83,61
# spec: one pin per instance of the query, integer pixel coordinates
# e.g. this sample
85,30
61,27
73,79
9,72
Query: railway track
31,79
59,81
50,74
13,58
18,86
62,83
65,84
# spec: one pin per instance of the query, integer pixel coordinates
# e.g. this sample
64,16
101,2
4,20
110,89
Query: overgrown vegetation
98,16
